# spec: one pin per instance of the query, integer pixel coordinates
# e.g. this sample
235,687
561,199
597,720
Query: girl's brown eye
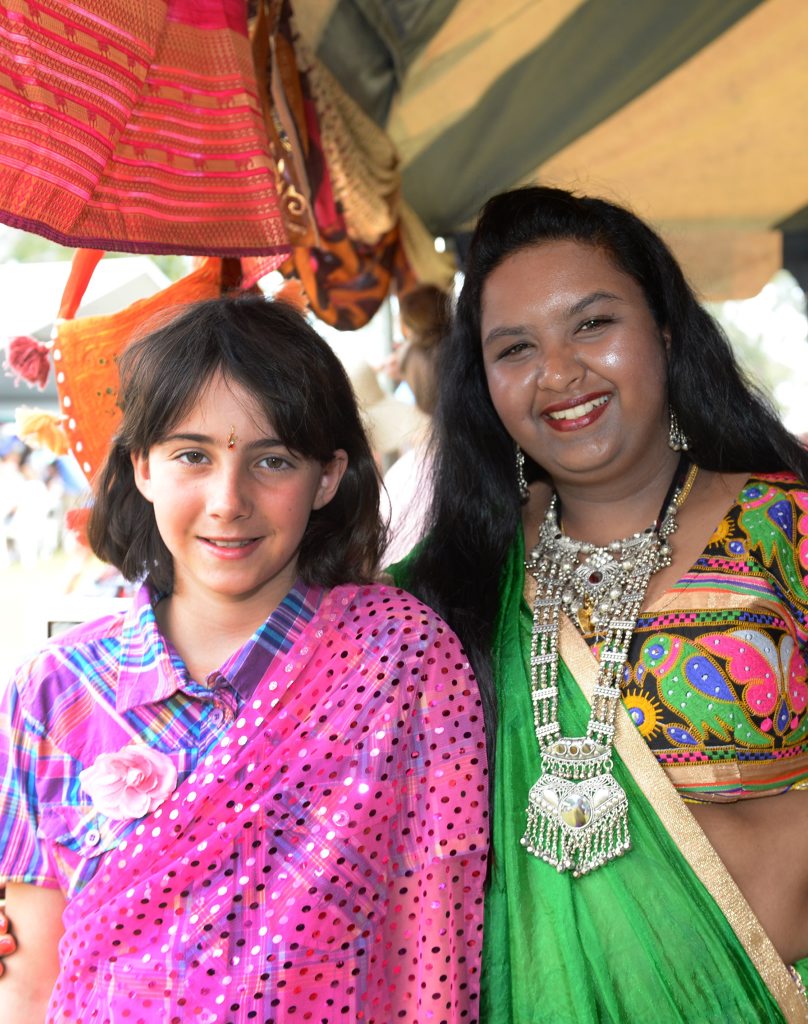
193,458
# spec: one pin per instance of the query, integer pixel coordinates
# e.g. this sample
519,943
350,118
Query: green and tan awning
693,112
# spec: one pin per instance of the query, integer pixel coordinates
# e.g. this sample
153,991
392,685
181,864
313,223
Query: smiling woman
243,798
582,378
619,535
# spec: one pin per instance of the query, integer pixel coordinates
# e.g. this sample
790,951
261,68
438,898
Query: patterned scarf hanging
338,185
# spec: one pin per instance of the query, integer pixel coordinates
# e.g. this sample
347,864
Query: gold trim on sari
712,775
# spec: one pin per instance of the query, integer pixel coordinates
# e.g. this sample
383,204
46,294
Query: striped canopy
693,112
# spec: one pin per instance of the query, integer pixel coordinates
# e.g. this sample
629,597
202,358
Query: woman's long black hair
475,511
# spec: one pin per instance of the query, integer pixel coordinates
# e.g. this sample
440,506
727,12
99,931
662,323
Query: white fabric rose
130,783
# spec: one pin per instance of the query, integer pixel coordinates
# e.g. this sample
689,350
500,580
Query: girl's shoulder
87,648
72,636
383,597
387,636
385,610
75,657
72,633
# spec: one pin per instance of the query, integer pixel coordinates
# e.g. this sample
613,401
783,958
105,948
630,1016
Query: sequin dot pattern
324,863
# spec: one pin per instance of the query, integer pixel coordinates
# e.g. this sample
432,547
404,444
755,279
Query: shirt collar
148,673
152,671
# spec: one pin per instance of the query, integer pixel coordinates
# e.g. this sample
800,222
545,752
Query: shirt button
93,837
216,716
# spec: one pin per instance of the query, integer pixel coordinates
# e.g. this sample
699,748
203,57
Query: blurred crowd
35,492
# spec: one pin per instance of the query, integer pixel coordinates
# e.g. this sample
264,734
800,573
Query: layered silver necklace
577,814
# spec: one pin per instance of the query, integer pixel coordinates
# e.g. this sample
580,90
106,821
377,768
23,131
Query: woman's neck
600,513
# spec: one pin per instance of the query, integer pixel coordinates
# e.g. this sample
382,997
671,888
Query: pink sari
324,863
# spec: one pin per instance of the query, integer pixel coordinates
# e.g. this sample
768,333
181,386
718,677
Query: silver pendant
577,813
596,575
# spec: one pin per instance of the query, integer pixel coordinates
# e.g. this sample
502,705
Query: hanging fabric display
338,183
85,349
135,127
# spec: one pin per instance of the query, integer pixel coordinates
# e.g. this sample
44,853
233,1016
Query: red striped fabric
135,127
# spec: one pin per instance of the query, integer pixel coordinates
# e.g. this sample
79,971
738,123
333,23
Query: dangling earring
677,439
521,480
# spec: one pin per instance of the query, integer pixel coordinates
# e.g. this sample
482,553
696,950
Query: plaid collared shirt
94,690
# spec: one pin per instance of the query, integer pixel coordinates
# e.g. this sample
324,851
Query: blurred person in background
425,314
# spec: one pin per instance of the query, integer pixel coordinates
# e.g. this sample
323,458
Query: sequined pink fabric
325,862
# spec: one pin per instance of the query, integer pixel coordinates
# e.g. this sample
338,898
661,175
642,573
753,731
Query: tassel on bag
29,360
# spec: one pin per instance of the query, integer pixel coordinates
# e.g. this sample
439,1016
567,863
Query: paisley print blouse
717,680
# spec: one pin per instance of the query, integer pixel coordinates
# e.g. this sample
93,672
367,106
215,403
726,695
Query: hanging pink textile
135,127
324,863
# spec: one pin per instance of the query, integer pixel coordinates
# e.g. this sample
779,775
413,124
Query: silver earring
677,439
521,480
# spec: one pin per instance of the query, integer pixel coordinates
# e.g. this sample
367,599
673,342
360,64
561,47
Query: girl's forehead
222,399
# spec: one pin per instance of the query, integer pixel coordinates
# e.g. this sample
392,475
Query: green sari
661,934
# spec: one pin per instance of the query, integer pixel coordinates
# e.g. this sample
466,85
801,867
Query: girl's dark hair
475,510
269,350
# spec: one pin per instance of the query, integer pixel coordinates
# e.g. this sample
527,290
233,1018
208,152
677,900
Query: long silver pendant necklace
577,813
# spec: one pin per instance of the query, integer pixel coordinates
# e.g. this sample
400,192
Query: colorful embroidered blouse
716,681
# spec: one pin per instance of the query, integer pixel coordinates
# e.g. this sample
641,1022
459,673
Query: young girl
259,794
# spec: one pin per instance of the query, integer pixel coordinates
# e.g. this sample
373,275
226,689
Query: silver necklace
577,814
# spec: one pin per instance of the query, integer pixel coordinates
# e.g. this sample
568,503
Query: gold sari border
685,831
708,597
790,773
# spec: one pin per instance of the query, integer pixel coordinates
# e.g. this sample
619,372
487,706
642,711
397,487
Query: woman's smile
576,413
576,364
